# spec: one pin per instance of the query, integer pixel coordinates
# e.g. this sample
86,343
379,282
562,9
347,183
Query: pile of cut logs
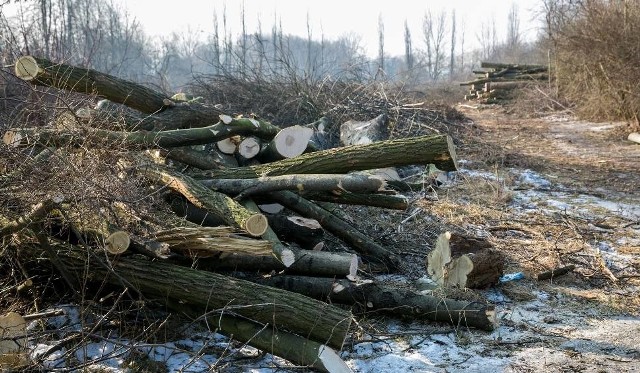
228,217
496,83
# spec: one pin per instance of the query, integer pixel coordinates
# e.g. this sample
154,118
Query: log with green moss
371,296
438,150
85,136
206,291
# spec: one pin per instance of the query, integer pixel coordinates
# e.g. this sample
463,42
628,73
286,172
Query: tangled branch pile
140,197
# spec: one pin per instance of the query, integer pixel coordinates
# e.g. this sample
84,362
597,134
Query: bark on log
298,350
211,160
314,182
370,296
370,249
465,262
44,72
348,198
495,65
356,132
288,143
307,233
205,242
290,311
308,263
169,114
438,150
18,137
219,204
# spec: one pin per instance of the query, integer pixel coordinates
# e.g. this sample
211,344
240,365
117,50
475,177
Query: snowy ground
549,332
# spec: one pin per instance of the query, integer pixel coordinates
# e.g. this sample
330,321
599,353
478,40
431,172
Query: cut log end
12,139
635,137
249,147
256,225
330,361
287,257
117,242
27,68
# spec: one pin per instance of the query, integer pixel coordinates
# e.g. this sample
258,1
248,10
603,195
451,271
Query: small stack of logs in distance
498,80
228,217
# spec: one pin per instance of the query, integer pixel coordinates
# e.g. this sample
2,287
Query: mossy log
206,291
85,136
370,296
438,150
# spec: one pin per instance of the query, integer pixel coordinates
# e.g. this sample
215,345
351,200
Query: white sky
333,18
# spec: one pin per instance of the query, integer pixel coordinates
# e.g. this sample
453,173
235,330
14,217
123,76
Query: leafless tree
408,50
380,44
434,31
452,55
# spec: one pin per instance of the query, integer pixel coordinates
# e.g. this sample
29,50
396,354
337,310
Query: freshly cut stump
464,262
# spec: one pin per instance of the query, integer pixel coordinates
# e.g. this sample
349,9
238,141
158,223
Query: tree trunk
307,233
18,137
208,291
399,302
219,204
316,182
437,150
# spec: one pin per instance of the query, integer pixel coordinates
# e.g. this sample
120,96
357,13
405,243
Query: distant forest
101,36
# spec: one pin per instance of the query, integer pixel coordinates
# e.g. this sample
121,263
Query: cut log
85,136
348,198
635,137
206,242
356,133
249,147
169,115
228,145
495,65
205,291
204,160
289,142
307,263
370,296
44,72
438,150
218,204
91,228
298,350
307,233
464,262
313,182
370,249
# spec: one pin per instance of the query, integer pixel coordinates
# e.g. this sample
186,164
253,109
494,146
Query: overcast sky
333,18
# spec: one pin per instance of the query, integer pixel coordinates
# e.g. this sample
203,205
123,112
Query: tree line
102,36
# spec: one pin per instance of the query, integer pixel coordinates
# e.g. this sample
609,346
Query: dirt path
573,198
